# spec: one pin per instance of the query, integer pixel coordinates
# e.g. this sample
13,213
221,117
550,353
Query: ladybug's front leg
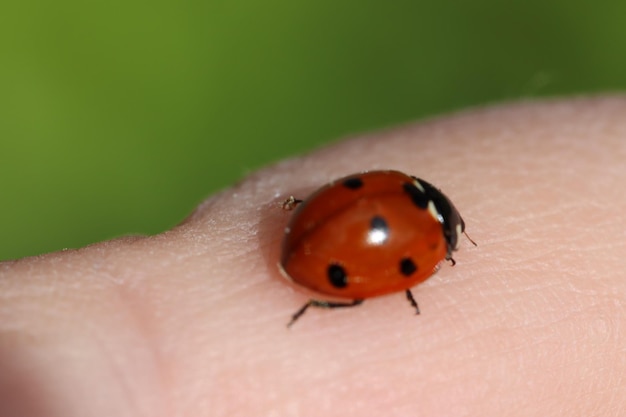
321,304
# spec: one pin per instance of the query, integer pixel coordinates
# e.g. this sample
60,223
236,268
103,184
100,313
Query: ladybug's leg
291,203
321,304
409,296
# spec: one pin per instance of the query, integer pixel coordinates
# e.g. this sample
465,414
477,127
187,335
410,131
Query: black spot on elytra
407,267
379,223
353,183
337,276
379,231
419,198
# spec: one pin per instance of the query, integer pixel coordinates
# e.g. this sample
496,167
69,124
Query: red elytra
367,235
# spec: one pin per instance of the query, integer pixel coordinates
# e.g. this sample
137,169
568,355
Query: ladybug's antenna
469,238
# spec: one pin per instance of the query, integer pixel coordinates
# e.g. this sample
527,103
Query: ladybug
366,235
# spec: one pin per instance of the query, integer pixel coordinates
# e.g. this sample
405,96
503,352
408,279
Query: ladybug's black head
451,222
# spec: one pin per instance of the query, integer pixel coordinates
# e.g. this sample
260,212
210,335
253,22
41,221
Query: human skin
192,322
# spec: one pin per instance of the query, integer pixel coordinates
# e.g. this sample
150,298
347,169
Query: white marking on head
418,185
458,235
433,212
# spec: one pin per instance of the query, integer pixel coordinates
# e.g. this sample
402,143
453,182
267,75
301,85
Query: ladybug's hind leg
291,203
321,304
409,296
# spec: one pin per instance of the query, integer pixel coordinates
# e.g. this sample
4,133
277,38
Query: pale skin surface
192,322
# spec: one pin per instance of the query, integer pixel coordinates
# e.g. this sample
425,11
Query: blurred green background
118,117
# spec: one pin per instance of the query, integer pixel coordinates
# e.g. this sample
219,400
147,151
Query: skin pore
192,322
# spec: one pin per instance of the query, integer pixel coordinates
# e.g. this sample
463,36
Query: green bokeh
118,117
